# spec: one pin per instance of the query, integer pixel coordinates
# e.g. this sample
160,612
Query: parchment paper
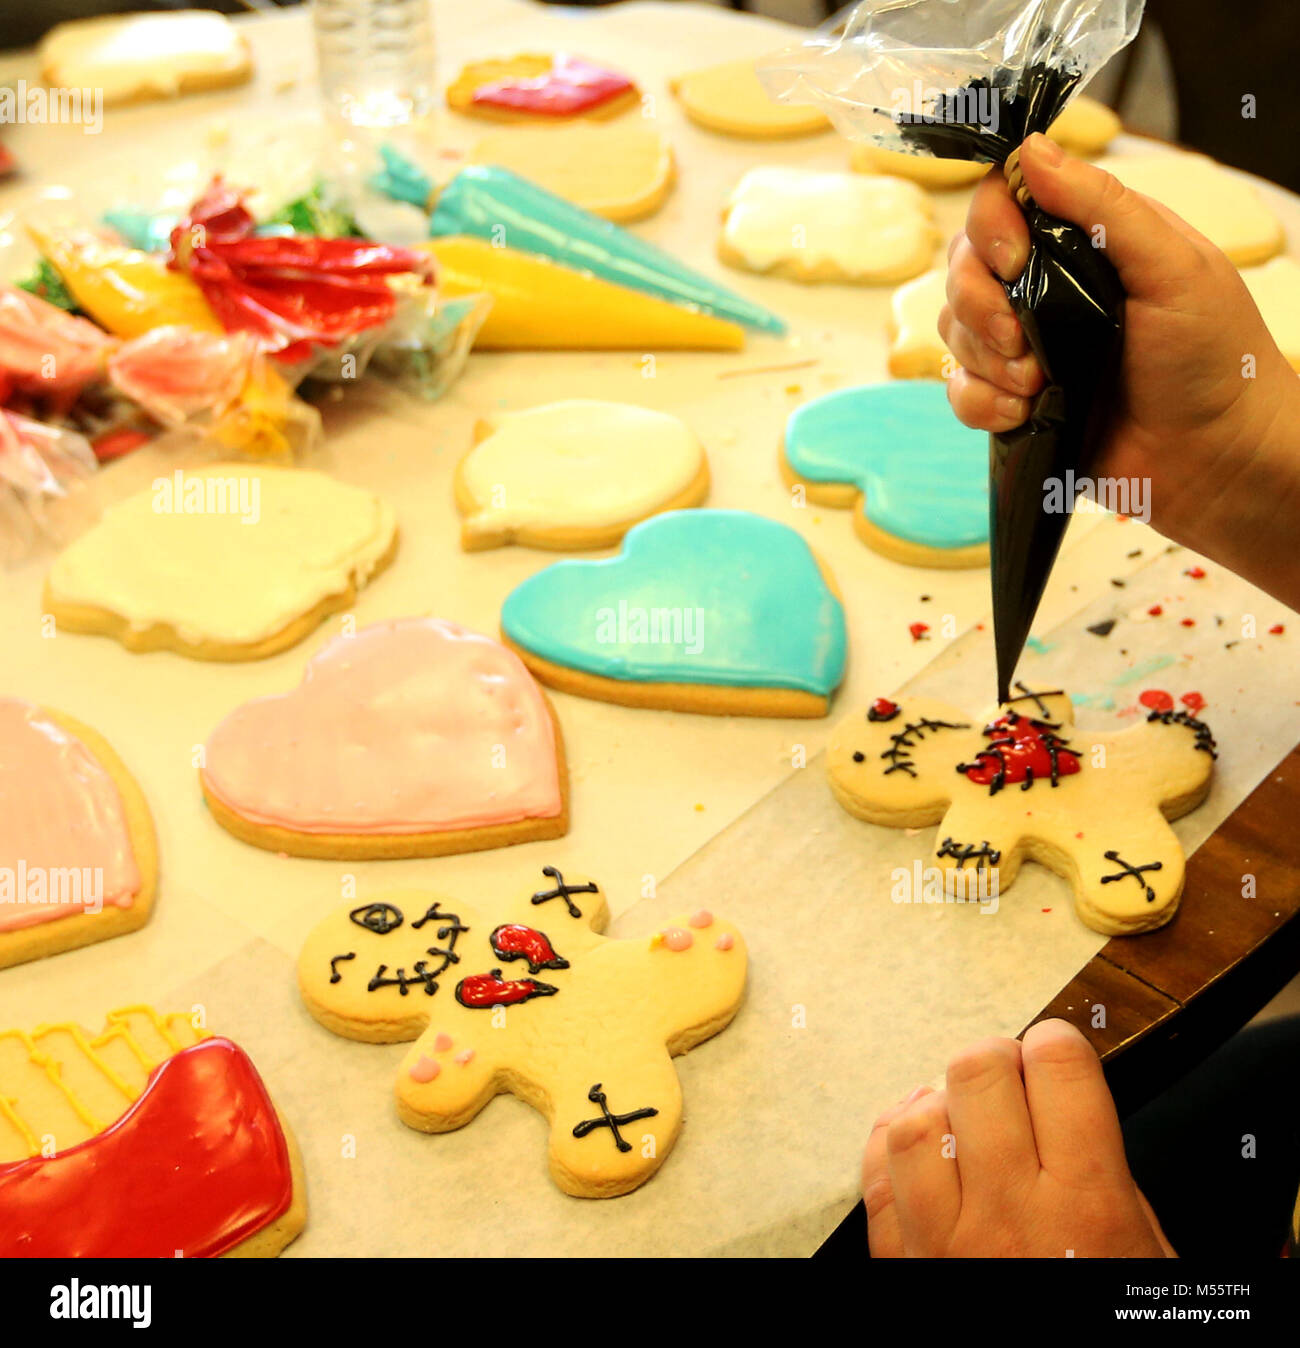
703,810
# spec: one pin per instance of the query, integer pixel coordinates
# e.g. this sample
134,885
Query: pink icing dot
441,1042
467,1056
425,1069
725,941
678,938
702,918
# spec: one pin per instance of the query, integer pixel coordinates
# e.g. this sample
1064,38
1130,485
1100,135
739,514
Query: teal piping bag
494,204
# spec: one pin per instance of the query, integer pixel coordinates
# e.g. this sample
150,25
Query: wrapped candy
45,351
39,465
971,81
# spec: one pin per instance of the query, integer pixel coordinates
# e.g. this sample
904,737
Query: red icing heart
479,991
198,1163
1020,750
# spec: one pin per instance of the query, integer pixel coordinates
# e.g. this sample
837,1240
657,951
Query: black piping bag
971,82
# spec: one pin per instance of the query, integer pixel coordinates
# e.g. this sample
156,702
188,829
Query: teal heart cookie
703,610
920,478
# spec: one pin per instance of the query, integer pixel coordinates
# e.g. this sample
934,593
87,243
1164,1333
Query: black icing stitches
610,1120
1204,739
563,891
899,755
982,854
1129,872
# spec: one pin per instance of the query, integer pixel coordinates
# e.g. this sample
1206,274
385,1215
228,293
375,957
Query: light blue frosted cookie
917,479
716,611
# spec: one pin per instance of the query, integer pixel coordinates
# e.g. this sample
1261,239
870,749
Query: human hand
1218,451
1020,1156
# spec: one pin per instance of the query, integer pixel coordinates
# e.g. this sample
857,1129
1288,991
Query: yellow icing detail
87,1046
539,305
8,1111
656,940
122,289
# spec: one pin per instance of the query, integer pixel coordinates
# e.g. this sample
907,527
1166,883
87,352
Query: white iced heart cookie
809,226
916,351
526,996
1093,806
575,475
229,562
619,170
1228,209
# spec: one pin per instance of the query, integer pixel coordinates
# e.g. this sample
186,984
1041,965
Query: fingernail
1045,149
1004,332
1006,259
1021,371
1010,407
916,1093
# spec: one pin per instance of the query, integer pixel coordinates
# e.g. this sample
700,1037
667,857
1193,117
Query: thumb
1152,257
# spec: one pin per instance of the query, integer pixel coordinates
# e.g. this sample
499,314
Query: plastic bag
39,465
970,79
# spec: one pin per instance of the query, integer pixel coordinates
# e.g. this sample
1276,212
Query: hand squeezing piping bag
492,203
925,77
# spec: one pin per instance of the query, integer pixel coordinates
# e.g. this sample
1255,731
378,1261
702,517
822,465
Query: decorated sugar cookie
1226,207
78,857
730,98
228,562
543,88
575,474
916,351
529,998
936,175
1275,288
914,476
1093,806
413,738
842,227
621,170
713,611
150,1139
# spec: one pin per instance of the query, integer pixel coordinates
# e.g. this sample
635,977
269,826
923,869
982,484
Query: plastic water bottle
376,59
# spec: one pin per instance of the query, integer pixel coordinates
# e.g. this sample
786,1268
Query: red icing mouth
196,1165
1020,750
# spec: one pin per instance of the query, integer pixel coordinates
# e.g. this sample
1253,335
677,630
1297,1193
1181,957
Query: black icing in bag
970,81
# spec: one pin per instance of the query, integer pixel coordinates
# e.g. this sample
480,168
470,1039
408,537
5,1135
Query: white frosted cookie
938,174
1224,206
916,351
730,98
1275,288
1086,127
809,226
228,562
575,475
141,56
620,170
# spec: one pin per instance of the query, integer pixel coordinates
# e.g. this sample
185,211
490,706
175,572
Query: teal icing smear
494,204
1141,671
923,474
718,597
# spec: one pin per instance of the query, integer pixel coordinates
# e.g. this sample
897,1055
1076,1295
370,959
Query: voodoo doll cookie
531,999
915,477
720,612
411,738
229,562
1093,806
78,855
150,1139
576,474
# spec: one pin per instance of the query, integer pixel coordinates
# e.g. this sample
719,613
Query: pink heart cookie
411,738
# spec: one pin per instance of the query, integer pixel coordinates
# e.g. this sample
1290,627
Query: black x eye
381,918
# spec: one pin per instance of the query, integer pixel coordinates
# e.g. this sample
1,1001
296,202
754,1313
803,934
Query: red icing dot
882,709
1157,699
1155,610
1193,701
918,631
1276,630
1188,622
1196,572
1019,747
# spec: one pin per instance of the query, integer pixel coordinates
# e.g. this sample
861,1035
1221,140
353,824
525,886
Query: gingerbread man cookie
532,1000
1093,806
150,1139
